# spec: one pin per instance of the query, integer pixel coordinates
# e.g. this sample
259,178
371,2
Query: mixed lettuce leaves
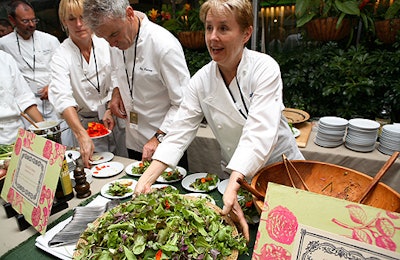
161,226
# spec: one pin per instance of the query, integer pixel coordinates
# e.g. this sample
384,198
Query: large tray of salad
162,226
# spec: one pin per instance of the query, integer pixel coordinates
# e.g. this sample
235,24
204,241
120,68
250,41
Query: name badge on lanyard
133,117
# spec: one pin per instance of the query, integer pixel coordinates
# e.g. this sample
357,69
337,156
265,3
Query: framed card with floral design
297,224
32,177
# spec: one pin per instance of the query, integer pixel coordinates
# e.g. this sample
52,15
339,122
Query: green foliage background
328,79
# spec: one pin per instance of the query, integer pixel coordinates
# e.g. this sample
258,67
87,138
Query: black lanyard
34,56
241,97
97,72
134,62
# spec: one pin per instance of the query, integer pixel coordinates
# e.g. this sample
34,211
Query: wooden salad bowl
326,179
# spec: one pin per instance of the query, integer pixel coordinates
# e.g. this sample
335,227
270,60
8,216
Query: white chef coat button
219,126
228,148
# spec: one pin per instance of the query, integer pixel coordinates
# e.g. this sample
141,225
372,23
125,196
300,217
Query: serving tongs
379,176
288,163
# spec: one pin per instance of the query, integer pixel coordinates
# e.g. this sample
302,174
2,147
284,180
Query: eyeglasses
27,21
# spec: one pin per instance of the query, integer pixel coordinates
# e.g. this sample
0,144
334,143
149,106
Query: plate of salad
170,175
201,196
137,168
118,189
200,182
151,226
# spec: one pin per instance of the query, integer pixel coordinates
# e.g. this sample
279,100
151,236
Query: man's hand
108,120
43,93
149,148
116,104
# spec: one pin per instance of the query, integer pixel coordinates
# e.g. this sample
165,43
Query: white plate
201,195
105,188
296,132
181,170
101,136
129,167
75,155
107,169
192,178
103,157
160,186
222,186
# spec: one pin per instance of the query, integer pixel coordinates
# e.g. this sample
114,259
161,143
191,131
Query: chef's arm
34,113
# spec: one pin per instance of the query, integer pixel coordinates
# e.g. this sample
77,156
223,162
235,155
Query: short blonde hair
241,9
68,7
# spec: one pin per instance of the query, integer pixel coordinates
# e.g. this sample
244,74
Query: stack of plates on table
389,140
331,131
362,134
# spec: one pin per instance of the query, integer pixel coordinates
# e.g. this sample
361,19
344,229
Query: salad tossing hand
231,204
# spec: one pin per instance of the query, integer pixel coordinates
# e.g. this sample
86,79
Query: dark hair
5,22
12,6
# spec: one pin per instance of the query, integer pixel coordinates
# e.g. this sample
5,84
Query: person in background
32,50
81,82
151,73
15,97
240,94
5,27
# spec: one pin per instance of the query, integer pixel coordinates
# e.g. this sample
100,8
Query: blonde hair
67,8
241,9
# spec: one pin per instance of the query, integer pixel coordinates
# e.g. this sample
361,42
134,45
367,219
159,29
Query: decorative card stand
297,224
31,180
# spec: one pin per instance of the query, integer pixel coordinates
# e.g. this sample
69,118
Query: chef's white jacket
71,76
41,46
246,144
74,83
15,97
160,76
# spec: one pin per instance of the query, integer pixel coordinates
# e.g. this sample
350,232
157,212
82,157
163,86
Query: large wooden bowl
327,179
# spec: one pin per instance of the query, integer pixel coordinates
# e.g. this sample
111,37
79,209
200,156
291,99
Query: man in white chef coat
151,72
32,50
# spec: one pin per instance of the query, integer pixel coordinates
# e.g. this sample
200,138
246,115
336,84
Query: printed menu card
297,224
32,177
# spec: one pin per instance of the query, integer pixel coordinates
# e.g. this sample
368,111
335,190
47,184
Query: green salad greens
6,151
160,226
172,175
245,199
204,183
118,189
168,175
141,168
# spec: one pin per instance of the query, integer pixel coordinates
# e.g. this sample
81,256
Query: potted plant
326,20
387,21
185,24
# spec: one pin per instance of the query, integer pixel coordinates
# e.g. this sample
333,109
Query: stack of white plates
362,134
389,139
331,131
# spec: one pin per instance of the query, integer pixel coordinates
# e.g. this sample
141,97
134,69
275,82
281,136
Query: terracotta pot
192,40
327,179
324,29
387,30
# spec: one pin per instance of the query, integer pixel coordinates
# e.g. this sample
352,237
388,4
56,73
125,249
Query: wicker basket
387,30
192,40
327,179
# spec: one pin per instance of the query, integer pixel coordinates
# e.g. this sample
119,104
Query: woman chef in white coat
81,81
240,94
